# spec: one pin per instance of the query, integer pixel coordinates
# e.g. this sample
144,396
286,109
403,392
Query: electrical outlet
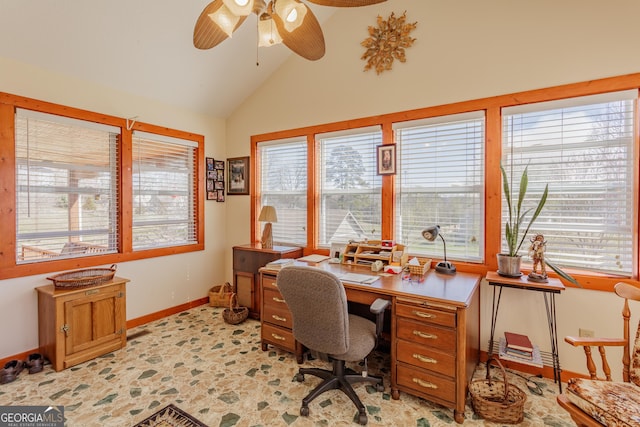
586,333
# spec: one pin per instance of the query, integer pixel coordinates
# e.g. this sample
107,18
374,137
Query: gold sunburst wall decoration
387,41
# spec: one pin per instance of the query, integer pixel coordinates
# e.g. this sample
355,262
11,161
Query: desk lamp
268,215
430,234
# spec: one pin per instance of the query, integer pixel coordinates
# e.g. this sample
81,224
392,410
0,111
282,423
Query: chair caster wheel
362,419
304,411
380,387
299,377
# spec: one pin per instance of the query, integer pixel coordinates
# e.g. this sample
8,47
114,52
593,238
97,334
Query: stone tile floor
219,374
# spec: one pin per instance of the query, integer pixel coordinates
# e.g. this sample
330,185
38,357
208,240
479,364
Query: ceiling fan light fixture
239,7
292,13
225,19
267,32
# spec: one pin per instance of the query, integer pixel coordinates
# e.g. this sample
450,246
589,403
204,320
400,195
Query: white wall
465,50
156,284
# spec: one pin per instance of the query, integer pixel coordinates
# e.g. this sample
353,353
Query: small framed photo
210,164
211,175
219,164
220,194
238,176
211,195
387,159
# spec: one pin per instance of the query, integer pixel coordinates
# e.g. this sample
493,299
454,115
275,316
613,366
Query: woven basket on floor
235,314
497,401
220,295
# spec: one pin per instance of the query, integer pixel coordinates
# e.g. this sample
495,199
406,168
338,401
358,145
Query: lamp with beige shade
268,215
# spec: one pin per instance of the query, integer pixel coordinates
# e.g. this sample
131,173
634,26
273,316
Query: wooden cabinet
432,351
76,325
247,260
276,322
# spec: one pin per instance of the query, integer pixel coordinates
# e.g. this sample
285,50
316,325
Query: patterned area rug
170,416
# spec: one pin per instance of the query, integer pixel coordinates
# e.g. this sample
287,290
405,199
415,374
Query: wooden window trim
8,266
493,146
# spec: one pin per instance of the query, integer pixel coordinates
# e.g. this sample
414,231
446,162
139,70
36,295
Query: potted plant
517,227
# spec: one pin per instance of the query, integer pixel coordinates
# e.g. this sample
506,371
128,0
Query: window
350,189
584,149
440,181
66,187
283,185
164,198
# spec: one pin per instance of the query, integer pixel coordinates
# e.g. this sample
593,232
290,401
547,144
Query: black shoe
34,363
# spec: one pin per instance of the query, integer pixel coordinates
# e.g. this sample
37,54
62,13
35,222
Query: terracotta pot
509,266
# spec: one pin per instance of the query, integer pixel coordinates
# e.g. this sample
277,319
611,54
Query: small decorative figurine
536,252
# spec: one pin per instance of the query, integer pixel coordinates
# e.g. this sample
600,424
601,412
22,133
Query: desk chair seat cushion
612,403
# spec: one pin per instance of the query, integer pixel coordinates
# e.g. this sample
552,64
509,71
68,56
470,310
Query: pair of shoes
34,362
10,371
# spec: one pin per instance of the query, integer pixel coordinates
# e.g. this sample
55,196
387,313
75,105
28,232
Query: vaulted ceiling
143,47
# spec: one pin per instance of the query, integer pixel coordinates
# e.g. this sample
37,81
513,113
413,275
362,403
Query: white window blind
283,185
66,187
164,198
583,148
440,181
349,187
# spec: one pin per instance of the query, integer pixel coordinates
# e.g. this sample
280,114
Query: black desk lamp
430,234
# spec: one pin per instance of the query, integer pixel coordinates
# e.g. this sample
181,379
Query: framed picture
220,195
387,159
211,195
219,164
210,163
238,176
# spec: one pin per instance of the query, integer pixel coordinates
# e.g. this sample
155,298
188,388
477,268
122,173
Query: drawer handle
278,337
425,335
276,299
424,315
425,384
278,318
424,359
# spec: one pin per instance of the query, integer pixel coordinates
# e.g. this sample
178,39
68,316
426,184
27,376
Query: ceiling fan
279,21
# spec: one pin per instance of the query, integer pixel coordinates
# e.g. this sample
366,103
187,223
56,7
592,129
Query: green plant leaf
562,274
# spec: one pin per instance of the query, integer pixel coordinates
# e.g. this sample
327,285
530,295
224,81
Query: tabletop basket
82,278
235,314
220,295
420,270
497,401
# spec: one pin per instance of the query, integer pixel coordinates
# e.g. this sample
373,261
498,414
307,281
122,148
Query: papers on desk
357,278
313,258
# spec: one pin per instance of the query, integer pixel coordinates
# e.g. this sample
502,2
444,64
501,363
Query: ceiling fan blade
307,40
206,33
345,3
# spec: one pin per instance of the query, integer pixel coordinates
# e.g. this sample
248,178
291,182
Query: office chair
321,322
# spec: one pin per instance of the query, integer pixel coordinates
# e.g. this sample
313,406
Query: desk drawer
280,337
269,282
426,384
426,357
273,297
280,316
425,314
422,333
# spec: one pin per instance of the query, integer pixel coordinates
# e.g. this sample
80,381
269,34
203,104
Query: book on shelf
518,342
279,263
534,359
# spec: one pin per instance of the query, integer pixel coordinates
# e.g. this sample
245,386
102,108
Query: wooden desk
247,260
549,290
435,329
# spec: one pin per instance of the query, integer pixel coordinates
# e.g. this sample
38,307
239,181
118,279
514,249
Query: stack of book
519,350
280,263
518,345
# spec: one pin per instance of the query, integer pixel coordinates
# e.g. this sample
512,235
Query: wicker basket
82,278
420,270
220,295
235,314
497,401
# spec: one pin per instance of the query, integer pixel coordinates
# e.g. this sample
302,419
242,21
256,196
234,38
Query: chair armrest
378,308
591,341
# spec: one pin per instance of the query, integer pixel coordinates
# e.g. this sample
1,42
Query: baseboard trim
130,324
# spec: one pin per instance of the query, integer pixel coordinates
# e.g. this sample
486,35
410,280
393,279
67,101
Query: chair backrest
631,363
318,305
